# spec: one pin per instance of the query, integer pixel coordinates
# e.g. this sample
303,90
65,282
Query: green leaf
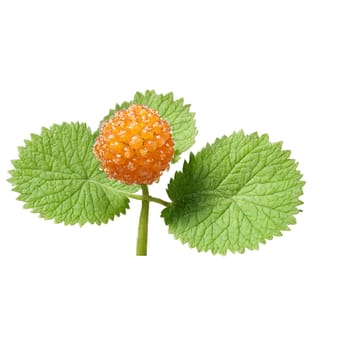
174,111
234,194
58,176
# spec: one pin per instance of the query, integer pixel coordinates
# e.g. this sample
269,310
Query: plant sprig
233,195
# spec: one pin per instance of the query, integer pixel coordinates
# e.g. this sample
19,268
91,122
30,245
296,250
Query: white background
276,67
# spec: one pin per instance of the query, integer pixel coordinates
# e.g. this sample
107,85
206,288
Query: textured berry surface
135,146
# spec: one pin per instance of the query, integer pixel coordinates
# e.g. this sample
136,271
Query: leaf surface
234,194
58,176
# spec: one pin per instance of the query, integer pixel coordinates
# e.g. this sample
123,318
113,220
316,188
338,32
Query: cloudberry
135,146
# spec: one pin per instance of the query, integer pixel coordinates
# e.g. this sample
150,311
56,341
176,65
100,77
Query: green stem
158,200
147,198
141,249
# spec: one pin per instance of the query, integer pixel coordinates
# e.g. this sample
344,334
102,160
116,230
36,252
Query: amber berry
135,146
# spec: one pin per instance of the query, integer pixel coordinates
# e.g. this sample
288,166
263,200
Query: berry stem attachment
141,248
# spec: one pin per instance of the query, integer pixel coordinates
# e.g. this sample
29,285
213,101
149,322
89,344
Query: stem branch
146,198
